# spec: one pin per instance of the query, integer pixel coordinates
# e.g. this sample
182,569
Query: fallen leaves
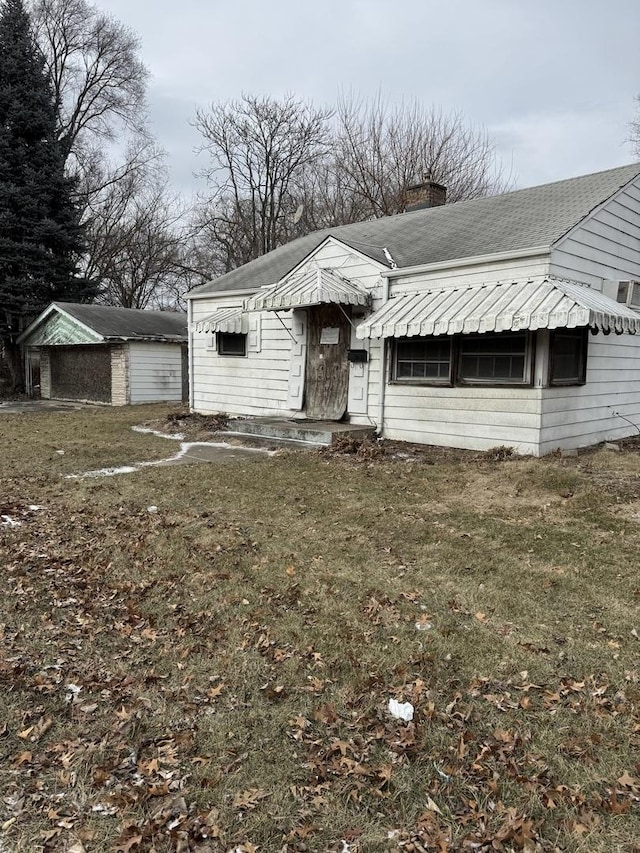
181,680
249,799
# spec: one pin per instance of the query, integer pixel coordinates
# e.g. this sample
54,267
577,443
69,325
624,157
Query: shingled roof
119,324
111,322
523,219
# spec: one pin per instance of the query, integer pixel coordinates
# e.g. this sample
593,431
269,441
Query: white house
508,320
105,354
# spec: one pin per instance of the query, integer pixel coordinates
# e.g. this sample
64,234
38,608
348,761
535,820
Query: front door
327,373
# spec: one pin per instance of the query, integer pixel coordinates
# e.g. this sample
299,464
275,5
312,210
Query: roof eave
245,291
42,318
172,339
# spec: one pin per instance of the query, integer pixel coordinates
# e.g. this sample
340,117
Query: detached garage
101,354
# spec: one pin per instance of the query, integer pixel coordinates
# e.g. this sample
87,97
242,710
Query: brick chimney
426,194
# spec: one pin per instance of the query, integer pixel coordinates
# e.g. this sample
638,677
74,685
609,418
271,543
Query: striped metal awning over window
232,320
498,307
314,287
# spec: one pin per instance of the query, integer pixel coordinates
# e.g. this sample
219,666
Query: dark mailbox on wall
358,356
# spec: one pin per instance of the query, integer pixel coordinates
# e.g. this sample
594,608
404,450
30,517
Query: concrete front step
302,432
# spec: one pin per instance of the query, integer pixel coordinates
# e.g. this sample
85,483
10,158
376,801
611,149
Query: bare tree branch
279,169
634,126
94,62
259,149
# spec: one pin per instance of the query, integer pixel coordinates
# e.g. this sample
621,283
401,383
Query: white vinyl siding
255,384
579,416
518,269
355,267
534,420
475,418
155,372
605,246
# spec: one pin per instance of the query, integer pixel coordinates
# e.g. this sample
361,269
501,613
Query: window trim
566,383
220,338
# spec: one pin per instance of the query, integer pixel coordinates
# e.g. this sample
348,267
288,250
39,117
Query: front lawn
201,658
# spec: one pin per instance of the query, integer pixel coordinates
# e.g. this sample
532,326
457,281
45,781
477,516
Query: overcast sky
552,82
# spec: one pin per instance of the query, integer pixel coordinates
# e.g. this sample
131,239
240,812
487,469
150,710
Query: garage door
81,373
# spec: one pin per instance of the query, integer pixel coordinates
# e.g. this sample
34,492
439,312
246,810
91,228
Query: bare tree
260,150
282,169
137,240
98,77
99,82
382,150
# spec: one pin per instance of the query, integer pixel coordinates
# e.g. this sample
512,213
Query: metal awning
313,287
498,307
232,320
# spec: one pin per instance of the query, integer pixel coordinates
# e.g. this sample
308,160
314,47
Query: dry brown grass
214,676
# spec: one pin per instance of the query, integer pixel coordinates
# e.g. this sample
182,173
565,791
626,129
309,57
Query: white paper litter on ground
401,710
7,521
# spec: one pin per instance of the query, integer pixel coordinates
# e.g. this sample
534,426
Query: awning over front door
498,307
314,287
233,320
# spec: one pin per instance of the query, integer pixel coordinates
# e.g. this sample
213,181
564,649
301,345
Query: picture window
491,359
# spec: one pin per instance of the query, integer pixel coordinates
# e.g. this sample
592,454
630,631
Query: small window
426,359
495,359
231,344
568,357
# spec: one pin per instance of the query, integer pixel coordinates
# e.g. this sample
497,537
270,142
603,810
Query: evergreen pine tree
41,236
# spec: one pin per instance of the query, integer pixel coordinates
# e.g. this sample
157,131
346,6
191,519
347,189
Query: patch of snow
177,436
7,521
185,447
102,472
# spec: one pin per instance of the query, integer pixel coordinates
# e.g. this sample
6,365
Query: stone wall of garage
45,373
120,391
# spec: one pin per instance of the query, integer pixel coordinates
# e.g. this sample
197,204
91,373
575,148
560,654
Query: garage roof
108,323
